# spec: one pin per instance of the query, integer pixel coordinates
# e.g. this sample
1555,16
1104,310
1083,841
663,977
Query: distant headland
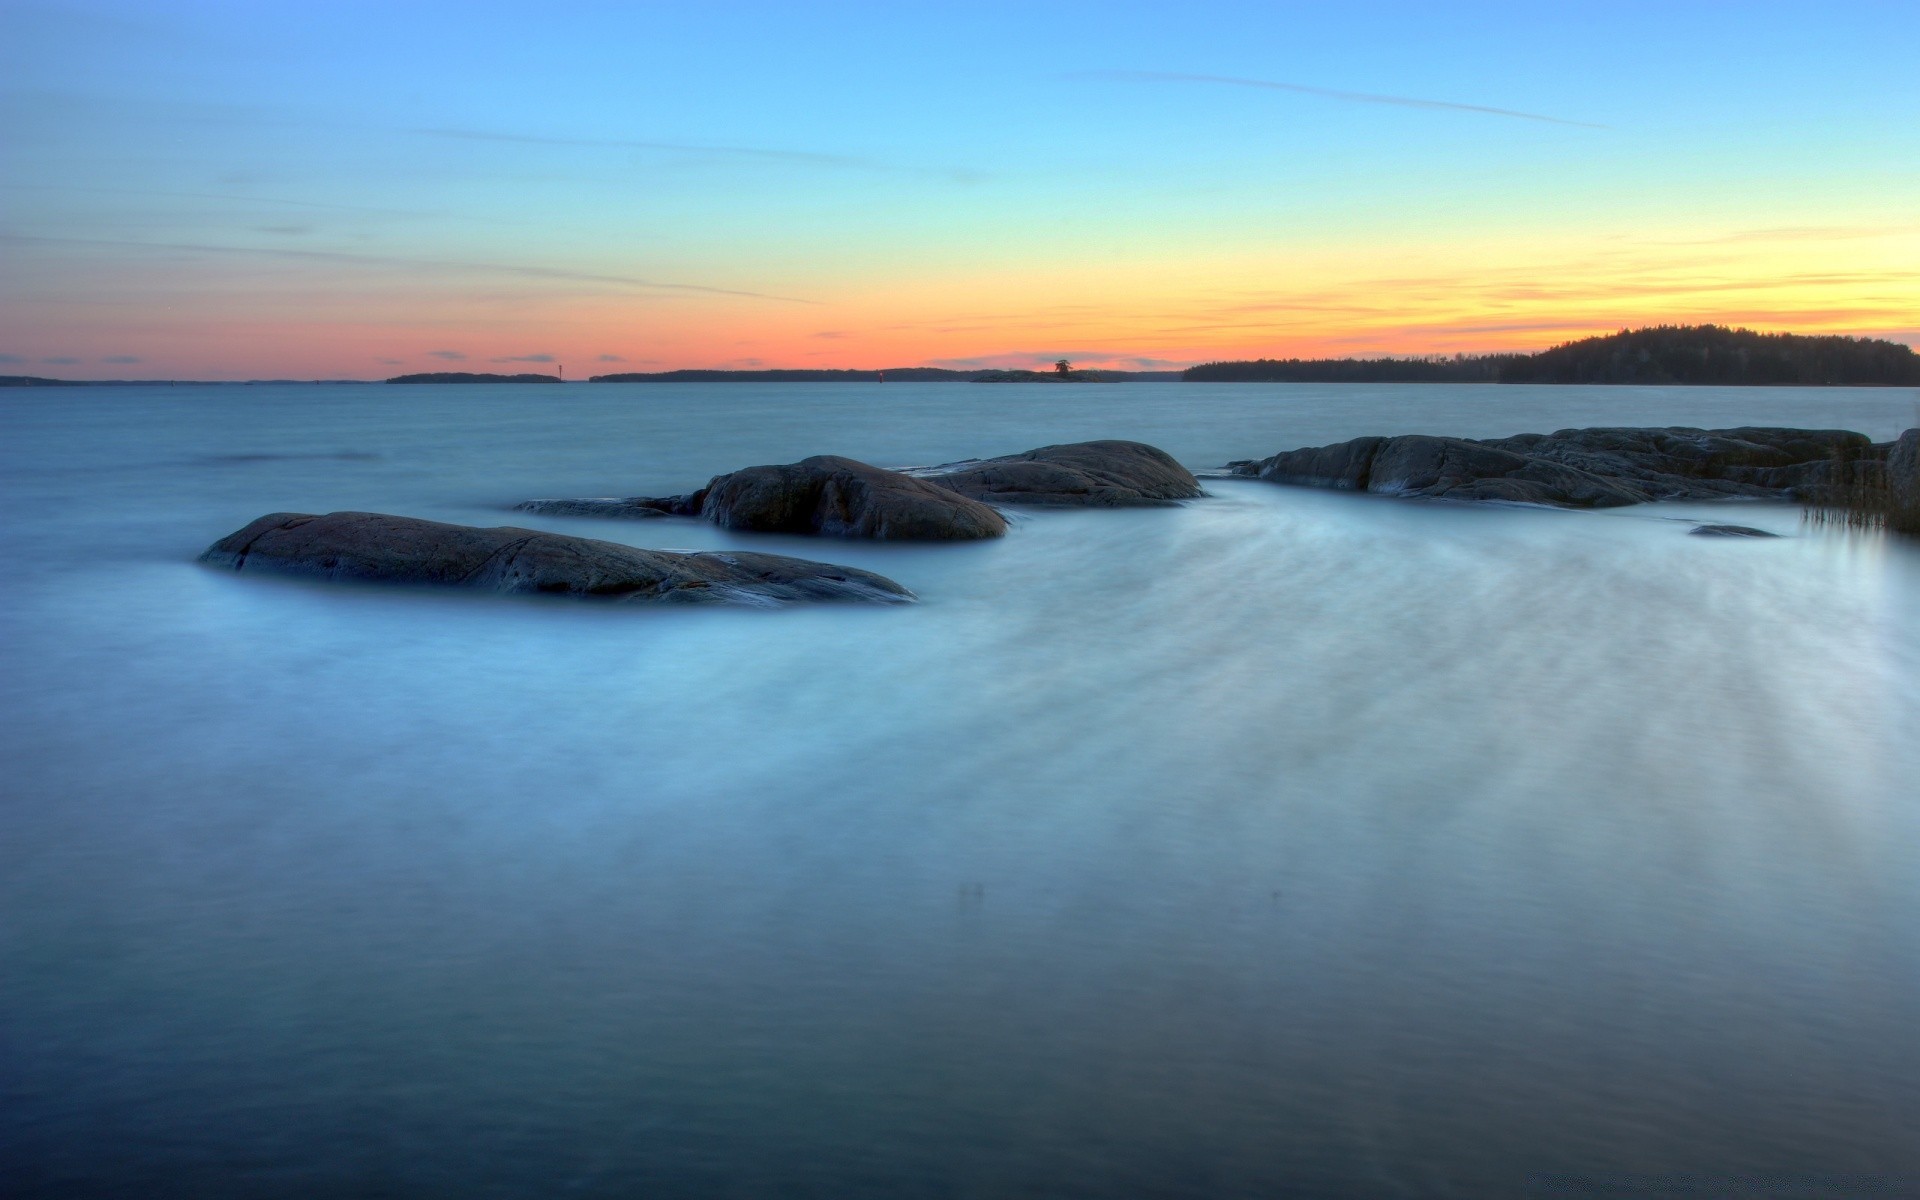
886,375
472,377
1661,354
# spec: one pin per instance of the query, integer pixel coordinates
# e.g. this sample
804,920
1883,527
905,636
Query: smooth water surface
1282,843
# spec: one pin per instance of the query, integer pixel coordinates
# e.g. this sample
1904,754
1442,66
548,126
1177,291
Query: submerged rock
381,548
1903,467
1102,474
633,508
1583,468
826,495
1741,531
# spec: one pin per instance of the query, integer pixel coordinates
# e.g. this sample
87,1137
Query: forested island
1661,354
472,377
886,375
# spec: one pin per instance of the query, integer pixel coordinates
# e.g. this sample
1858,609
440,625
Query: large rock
1104,474
1586,468
826,495
377,547
1903,468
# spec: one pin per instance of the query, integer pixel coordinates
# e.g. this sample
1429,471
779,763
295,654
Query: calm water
1284,843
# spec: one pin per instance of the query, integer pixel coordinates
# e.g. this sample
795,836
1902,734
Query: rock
825,495
629,509
1740,531
377,547
1903,468
1584,468
1103,474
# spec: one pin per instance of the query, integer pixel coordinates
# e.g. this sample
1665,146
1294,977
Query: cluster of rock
842,497
826,496
1588,468
378,547
830,496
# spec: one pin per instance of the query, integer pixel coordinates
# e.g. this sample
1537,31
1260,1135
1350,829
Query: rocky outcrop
634,508
825,495
380,548
1584,468
1732,531
1103,474
1903,468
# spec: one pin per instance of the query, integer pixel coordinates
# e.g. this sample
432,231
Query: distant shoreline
1663,355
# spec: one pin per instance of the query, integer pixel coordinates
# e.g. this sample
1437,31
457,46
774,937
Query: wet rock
627,509
1582,468
1739,531
1102,474
1903,467
825,495
376,547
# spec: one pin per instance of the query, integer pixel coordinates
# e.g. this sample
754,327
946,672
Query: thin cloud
11,358
810,158
449,355
609,358
61,360
418,264
229,199
121,358
532,358
1326,93
531,139
1800,233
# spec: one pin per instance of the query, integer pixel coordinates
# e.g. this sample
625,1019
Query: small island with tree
472,377
1660,354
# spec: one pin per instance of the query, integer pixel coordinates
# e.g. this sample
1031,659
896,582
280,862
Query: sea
1283,843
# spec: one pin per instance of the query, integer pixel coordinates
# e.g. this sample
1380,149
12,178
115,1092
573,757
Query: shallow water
1283,843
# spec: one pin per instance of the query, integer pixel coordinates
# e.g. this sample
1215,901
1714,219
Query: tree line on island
1660,354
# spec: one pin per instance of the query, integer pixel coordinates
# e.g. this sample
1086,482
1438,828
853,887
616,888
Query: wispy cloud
386,261
121,358
11,358
448,355
809,157
1799,233
806,158
1273,85
609,358
63,360
532,358
147,193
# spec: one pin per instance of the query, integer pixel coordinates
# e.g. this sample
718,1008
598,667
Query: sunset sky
350,190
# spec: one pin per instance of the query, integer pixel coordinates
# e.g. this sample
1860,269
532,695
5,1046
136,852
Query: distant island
42,381
884,375
1661,354
472,377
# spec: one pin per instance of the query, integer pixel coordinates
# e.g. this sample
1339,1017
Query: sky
350,190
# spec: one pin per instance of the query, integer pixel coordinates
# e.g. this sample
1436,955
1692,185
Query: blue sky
343,185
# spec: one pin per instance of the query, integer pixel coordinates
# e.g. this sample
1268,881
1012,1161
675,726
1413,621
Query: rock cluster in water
1102,474
1586,468
842,497
389,549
